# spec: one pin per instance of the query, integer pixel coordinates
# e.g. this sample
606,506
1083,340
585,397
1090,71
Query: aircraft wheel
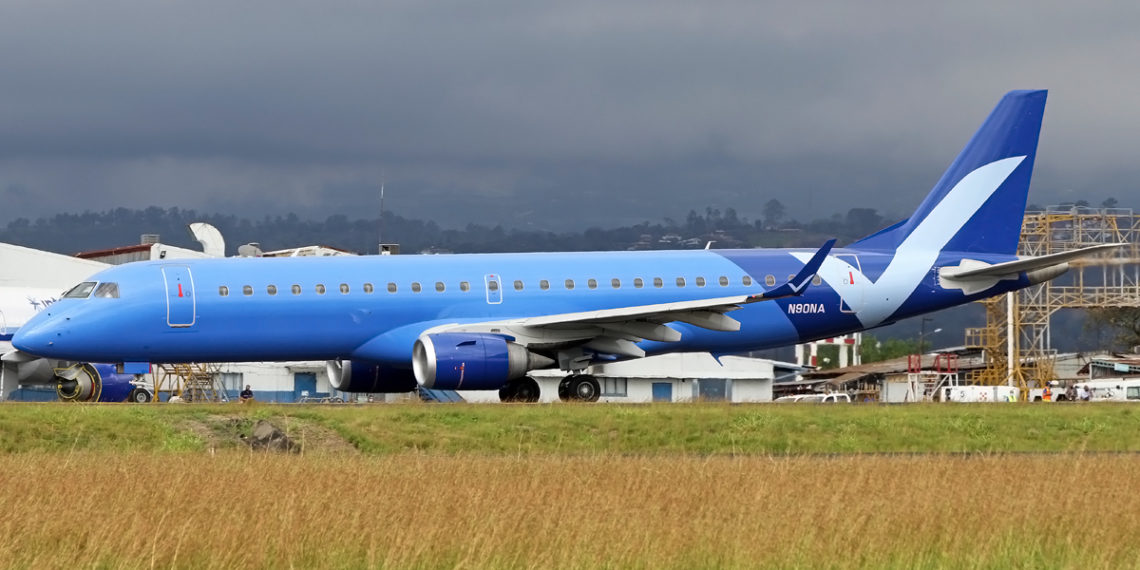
585,388
509,392
139,396
527,390
564,387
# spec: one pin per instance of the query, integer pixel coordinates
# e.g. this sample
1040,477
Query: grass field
702,429
672,486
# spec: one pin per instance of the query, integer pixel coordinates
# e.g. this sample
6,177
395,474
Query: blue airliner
483,321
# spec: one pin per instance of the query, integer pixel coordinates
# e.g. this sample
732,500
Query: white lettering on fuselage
802,308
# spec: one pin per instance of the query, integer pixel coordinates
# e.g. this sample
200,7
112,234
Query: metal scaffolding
1016,338
194,382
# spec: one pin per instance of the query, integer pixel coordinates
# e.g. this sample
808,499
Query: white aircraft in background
31,280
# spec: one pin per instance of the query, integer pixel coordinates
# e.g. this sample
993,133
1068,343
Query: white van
832,398
1112,389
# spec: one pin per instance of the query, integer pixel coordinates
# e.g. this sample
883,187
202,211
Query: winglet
800,282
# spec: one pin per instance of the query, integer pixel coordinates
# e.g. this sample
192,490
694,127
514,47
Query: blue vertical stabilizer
984,191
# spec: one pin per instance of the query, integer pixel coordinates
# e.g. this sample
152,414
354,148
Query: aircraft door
181,307
851,288
494,289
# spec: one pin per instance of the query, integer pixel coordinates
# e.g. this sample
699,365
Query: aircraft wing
616,331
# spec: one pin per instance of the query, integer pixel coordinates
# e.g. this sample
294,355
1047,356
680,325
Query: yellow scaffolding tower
1109,280
193,382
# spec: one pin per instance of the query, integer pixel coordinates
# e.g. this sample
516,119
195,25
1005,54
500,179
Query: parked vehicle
980,393
831,398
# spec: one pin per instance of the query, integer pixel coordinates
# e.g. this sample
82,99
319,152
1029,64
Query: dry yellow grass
241,510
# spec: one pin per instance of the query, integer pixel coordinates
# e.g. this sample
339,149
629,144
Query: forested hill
71,233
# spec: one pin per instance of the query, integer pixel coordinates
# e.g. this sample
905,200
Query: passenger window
493,285
464,286
593,283
391,287
320,289
544,285
615,283
246,290
770,280
570,284
416,287
296,289
440,287
368,288
816,280
723,281
271,289
791,277
638,283
518,285
700,281
657,282
107,291
224,291
344,288
81,291
746,280
680,281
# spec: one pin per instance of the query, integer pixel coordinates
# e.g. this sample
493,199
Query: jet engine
471,361
353,376
93,383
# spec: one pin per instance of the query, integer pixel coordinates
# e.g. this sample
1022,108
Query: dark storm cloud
546,115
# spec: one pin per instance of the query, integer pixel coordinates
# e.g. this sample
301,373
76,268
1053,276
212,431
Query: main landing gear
523,389
579,388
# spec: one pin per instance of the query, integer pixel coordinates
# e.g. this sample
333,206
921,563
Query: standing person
246,395
1047,394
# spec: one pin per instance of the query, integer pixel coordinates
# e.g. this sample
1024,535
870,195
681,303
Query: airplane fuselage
219,310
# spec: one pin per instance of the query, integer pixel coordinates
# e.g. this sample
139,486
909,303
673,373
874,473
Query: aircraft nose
37,339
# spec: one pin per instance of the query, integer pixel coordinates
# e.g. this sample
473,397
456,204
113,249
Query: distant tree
1122,323
1109,202
862,221
773,213
875,350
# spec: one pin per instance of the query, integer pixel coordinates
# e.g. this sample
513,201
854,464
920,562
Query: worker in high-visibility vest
1047,394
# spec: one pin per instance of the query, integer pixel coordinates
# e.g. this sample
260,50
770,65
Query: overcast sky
547,115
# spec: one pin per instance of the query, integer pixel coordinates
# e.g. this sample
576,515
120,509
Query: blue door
304,384
662,391
494,289
180,308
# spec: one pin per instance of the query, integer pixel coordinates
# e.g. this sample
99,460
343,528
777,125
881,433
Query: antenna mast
380,245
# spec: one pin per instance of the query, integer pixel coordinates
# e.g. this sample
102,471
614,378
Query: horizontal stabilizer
1012,268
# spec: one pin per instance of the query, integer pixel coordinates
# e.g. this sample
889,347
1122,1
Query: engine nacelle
351,376
93,383
471,361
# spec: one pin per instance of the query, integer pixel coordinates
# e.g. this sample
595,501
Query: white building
679,377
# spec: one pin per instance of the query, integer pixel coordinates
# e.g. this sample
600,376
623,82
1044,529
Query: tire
564,387
585,388
526,390
509,392
139,396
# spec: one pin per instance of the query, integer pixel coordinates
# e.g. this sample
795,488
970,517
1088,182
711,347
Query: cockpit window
107,291
81,291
